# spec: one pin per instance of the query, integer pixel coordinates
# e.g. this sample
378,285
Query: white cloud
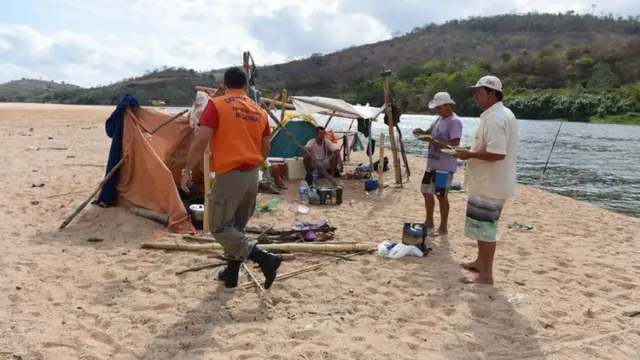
97,42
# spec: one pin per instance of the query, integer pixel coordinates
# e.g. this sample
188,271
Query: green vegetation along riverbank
596,96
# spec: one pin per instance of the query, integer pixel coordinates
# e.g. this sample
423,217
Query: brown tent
153,161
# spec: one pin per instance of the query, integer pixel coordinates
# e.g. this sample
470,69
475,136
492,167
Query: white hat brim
433,104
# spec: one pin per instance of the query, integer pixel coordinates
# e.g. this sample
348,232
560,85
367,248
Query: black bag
385,164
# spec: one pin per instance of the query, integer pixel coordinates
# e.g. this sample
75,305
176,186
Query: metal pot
197,211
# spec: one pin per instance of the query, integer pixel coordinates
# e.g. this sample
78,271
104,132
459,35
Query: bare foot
471,266
478,279
438,232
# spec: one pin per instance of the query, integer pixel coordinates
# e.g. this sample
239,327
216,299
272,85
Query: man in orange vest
239,132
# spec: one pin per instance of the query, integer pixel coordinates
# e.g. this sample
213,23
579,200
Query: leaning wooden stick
108,176
201,267
308,268
295,141
255,281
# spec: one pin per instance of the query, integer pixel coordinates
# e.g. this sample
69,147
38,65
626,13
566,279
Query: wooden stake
109,175
381,162
392,138
255,281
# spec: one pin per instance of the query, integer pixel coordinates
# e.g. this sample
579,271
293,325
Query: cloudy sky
93,42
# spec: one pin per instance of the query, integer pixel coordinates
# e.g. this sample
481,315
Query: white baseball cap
489,81
439,99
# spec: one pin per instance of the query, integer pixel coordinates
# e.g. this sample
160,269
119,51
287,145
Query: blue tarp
113,127
283,147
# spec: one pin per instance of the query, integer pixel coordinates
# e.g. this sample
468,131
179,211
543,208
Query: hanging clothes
364,126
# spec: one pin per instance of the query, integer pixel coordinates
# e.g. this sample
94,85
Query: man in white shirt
490,177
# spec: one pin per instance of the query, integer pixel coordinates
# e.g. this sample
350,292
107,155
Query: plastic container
304,192
295,168
315,178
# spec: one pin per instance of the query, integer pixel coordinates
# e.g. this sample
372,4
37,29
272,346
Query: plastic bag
397,250
198,106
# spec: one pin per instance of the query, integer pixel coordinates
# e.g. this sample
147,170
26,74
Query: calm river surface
593,162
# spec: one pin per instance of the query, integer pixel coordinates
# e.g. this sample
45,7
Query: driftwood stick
308,268
45,148
150,214
202,239
84,203
323,228
285,257
68,193
290,247
108,176
264,232
170,120
256,283
87,165
201,267
327,254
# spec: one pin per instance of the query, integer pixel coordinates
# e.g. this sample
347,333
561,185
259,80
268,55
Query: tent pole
394,152
109,176
329,120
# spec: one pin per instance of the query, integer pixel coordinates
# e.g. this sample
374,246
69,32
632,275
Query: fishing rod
550,152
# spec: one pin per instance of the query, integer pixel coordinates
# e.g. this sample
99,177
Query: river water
597,163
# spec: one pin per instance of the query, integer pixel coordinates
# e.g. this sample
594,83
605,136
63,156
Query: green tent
283,147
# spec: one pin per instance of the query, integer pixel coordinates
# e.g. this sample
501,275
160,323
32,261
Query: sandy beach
89,292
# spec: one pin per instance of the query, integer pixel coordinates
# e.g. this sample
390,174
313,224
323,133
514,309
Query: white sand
64,297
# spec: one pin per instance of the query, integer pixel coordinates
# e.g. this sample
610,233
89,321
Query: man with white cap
490,176
445,132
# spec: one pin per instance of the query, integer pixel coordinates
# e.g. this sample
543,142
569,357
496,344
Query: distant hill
529,51
31,90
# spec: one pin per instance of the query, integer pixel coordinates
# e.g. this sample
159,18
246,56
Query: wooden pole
245,62
381,163
270,107
297,143
279,103
392,138
109,175
283,108
206,163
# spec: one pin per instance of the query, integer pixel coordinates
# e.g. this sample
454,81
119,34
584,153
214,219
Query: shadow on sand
495,330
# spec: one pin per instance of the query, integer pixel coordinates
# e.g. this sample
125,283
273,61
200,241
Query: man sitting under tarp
325,153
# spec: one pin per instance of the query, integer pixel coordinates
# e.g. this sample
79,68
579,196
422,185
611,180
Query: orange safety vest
241,124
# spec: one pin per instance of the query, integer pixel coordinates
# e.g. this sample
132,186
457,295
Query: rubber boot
268,263
230,273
